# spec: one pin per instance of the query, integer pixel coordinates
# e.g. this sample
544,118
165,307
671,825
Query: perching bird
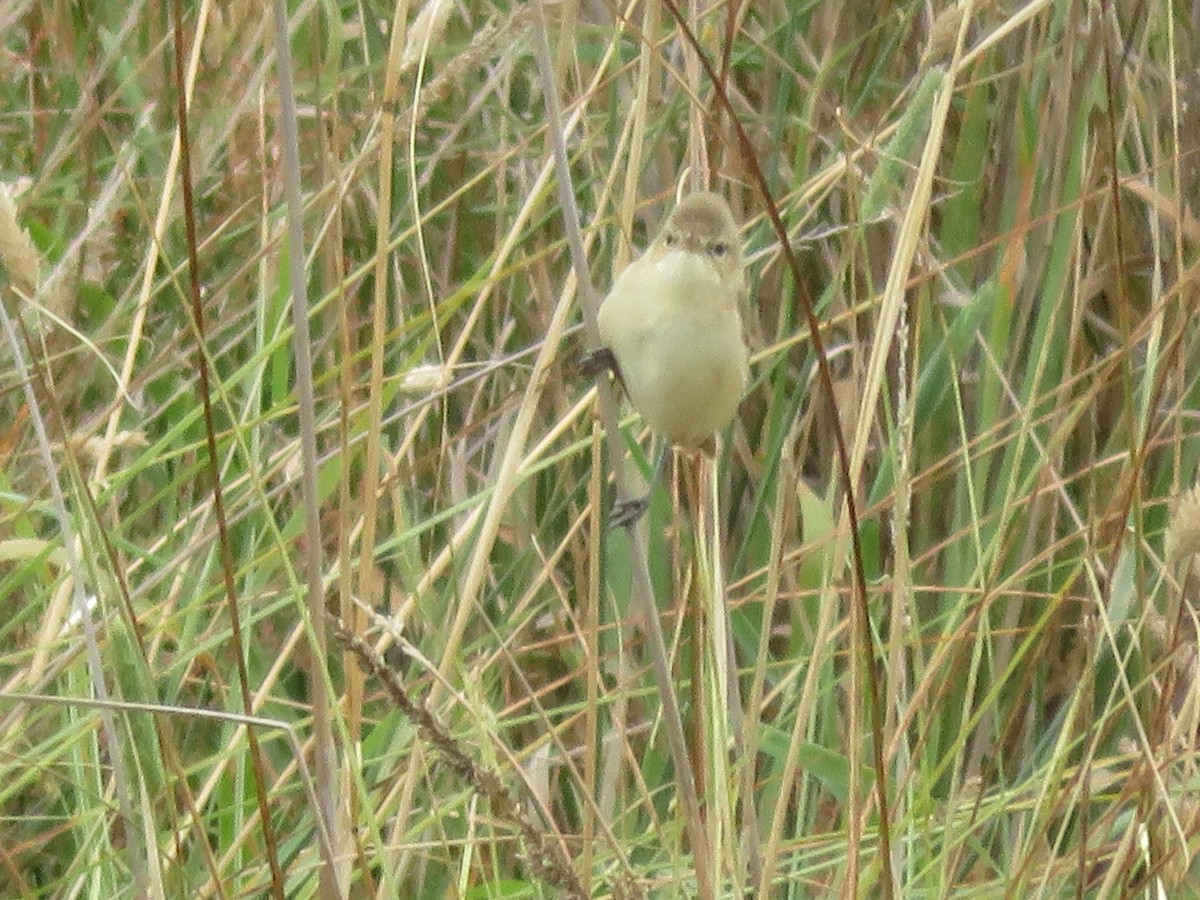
672,327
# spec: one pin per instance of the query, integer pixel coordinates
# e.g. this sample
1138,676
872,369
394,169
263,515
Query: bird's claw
625,513
598,361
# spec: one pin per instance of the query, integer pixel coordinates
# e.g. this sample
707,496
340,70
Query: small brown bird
672,327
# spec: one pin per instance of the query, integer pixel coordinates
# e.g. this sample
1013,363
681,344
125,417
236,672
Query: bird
671,331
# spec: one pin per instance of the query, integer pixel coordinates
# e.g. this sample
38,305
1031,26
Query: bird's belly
691,375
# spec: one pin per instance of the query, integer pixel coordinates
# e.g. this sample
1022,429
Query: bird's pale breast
675,330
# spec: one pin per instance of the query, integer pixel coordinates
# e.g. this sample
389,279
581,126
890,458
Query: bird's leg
599,361
594,362
625,513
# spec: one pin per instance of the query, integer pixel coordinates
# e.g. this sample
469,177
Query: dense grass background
992,211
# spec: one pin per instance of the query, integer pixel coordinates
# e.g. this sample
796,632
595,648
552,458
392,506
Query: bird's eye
719,249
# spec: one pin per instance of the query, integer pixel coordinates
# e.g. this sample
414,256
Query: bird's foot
625,513
597,362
